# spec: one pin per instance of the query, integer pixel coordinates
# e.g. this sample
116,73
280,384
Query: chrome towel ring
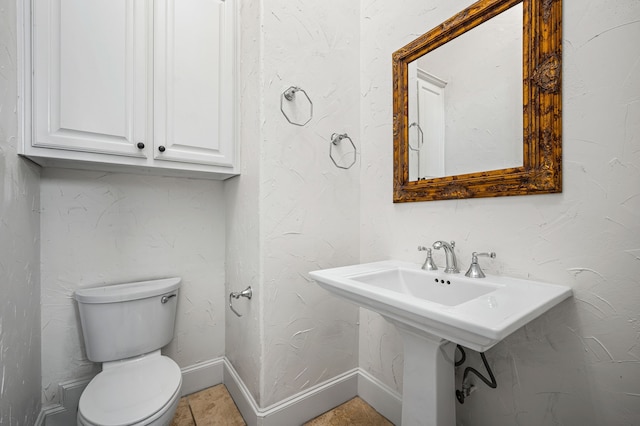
247,292
298,113
335,140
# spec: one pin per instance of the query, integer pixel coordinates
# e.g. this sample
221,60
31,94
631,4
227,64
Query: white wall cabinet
133,85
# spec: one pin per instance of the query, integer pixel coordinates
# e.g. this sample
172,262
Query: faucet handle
491,254
429,264
474,270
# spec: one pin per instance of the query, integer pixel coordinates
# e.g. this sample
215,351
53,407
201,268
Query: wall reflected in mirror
465,102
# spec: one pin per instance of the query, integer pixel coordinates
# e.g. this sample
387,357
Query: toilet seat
130,392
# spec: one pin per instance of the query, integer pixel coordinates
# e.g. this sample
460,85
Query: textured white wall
579,363
292,210
244,335
19,253
112,228
310,207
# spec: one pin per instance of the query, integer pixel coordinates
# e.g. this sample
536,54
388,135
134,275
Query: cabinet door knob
161,148
140,145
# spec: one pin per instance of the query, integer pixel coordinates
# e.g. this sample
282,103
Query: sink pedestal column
428,391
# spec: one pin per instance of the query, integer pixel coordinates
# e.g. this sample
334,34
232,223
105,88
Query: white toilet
124,327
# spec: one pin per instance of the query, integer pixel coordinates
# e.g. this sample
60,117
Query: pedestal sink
433,311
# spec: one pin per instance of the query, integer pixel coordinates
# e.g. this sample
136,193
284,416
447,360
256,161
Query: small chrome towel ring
290,96
335,140
420,137
247,292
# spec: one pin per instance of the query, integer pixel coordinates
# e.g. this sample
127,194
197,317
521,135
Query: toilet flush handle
165,299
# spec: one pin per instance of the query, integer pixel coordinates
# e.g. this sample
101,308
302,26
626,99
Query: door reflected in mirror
465,102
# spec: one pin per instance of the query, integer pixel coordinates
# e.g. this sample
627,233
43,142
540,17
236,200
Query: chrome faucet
452,263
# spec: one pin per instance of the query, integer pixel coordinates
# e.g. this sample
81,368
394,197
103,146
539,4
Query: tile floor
355,412
210,407
214,407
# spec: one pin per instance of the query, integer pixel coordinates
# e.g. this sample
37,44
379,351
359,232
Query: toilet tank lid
127,291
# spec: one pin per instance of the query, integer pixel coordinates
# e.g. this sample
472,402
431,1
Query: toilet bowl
140,391
124,326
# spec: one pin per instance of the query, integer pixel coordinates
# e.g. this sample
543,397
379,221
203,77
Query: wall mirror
477,104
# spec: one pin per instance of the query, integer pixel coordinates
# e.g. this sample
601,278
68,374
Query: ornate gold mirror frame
541,171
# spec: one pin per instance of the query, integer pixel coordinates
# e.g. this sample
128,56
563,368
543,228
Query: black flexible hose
464,356
491,383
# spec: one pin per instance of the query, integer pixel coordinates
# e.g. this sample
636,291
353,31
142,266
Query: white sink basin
417,283
473,312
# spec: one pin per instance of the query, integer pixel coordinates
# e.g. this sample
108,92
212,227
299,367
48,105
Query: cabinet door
90,75
193,81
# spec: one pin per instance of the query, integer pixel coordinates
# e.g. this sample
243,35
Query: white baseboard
382,398
293,411
202,375
40,419
64,413
312,402
296,409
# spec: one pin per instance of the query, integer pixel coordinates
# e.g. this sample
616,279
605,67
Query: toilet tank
126,320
